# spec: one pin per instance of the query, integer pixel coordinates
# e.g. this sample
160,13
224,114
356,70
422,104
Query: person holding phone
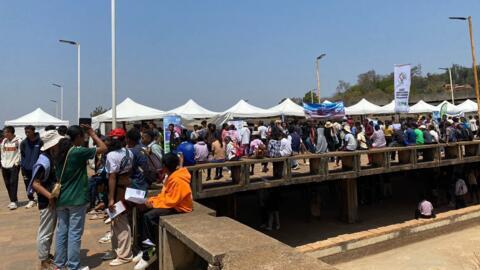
71,170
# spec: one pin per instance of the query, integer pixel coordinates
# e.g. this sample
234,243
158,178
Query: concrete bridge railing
383,160
200,240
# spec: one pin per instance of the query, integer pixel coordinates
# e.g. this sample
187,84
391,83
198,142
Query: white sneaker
12,206
142,264
119,261
30,204
107,238
108,221
137,258
148,242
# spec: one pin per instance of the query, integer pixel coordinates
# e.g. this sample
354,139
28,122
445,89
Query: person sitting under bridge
175,197
424,209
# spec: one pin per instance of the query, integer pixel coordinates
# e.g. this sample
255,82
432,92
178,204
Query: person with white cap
427,137
43,181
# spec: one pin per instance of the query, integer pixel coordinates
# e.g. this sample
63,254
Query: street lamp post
56,107
61,98
474,62
78,71
317,65
451,82
114,90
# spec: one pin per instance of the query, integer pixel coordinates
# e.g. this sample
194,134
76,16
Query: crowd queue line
54,167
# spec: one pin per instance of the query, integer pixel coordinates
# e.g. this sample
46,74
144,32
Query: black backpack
152,168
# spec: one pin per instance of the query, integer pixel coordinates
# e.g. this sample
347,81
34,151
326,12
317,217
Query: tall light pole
451,82
114,92
56,107
474,62
61,98
78,71
317,65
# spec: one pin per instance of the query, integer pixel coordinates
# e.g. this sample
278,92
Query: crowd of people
54,167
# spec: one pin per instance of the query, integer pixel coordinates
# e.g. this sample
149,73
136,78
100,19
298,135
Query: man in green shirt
418,136
71,206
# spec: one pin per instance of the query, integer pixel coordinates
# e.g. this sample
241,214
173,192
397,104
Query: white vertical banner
402,79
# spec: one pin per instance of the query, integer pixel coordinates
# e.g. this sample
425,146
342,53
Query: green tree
97,111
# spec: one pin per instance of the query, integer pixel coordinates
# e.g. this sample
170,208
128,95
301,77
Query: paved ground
459,250
18,237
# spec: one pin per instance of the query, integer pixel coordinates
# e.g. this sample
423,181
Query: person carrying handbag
73,200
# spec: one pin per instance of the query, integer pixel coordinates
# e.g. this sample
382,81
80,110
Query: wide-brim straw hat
328,124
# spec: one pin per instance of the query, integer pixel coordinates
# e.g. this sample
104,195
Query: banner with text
324,110
402,79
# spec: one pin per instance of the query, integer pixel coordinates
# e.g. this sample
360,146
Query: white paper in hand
119,208
135,195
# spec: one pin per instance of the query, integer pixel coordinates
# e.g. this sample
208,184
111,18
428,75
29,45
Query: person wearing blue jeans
70,225
72,203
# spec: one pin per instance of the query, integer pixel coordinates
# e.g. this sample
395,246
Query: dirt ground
18,232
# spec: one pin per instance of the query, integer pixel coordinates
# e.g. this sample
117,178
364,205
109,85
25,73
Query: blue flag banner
324,110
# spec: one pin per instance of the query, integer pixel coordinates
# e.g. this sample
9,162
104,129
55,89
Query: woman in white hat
43,181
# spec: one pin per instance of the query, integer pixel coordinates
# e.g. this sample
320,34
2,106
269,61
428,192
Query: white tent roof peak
363,107
36,118
288,108
468,106
388,108
129,110
422,107
244,109
191,110
451,109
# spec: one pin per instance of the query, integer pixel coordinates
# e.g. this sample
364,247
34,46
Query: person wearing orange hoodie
175,197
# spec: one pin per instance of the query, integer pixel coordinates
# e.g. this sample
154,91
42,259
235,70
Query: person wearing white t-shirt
434,133
118,165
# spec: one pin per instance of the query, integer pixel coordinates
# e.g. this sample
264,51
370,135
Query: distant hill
379,88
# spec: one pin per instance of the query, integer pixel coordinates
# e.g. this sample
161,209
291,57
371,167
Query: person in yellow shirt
175,197
388,132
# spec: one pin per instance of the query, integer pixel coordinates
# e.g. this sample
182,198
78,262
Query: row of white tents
129,110
365,107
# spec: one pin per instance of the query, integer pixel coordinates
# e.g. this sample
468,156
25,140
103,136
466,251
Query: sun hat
347,128
50,139
328,124
117,133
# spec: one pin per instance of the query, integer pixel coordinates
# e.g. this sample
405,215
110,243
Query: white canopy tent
245,110
422,107
191,110
326,101
388,108
129,110
451,109
363,107
38,118
468,106
288,108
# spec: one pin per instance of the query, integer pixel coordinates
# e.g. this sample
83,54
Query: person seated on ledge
424,209
175,197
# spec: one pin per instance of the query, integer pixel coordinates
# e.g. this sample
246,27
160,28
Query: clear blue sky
216,52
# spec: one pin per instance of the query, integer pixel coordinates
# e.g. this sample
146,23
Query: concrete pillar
348,200
174,254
